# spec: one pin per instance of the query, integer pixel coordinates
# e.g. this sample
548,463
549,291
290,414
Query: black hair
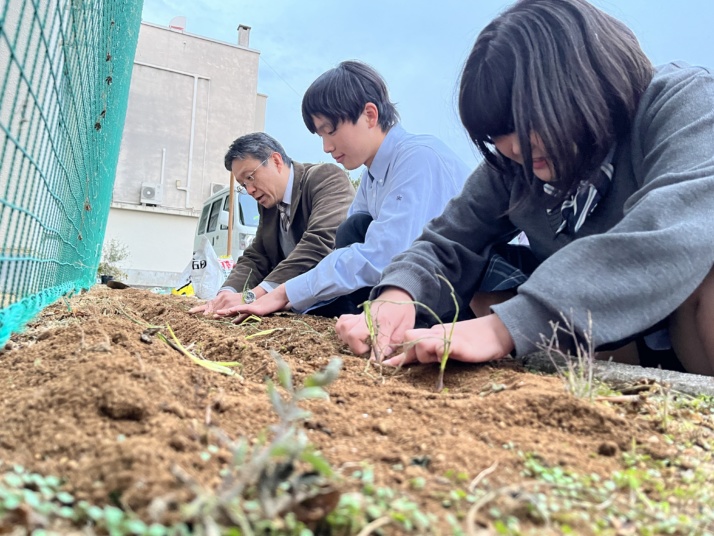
256,145
341,94
562,69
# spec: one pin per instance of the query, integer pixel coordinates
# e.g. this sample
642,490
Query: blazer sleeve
326,197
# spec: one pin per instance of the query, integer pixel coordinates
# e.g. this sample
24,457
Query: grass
262,489
578,371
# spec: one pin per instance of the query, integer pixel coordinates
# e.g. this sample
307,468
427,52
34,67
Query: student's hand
390,322
275,300
223,300
474,341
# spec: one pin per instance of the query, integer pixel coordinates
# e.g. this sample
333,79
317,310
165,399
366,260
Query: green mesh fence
65,70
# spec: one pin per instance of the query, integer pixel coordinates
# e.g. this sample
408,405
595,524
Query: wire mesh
65,71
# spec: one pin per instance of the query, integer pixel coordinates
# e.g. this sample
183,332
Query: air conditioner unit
217,187
151,193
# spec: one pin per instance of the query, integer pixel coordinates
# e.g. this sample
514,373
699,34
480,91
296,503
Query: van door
213,228
246,222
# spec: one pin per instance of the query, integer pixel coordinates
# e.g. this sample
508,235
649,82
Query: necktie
579,205
284,220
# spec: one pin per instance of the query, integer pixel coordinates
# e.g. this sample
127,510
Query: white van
214,222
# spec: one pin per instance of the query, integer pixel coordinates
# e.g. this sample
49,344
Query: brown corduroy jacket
321,195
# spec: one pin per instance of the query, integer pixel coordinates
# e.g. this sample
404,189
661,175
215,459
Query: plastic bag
204,275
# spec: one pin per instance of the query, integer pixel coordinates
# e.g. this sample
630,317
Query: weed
112,254
281,483
38,503
576,371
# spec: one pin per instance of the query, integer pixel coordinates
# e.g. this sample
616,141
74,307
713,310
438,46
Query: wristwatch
248,296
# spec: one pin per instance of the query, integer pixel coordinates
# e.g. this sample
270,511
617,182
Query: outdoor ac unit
151,193
217,187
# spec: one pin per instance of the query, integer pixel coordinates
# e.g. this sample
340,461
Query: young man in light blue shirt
408,181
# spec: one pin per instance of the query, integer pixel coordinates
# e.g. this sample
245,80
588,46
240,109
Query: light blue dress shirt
412,179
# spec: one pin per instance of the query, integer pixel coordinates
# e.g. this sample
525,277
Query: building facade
190,97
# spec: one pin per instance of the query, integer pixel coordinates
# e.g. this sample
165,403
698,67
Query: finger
231,311
427,350
399,360
198,308
239,319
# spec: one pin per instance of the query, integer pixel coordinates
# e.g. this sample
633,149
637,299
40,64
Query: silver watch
248,296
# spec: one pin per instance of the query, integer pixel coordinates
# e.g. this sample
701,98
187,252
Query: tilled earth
87,395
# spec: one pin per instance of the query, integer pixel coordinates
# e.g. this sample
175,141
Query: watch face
248,296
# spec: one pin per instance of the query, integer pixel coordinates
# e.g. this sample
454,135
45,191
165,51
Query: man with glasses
300,206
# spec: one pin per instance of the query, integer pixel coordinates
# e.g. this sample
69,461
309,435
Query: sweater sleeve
642,269
454,245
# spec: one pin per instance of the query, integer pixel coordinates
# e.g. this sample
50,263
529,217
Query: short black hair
341,94
562,69
256,145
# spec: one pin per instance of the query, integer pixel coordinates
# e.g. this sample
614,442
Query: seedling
224,367
265,483
373,329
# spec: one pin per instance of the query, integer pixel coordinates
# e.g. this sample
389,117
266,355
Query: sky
419,47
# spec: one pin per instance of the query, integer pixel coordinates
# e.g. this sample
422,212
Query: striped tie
284,221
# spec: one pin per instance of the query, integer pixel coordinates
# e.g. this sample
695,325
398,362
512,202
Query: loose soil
83,397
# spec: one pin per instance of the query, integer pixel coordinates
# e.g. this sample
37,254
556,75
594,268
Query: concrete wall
160,243
190,97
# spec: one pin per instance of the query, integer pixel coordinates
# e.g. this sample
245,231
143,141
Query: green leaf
135,526
113,516
311,393
65,497
285,375
317,462
327,376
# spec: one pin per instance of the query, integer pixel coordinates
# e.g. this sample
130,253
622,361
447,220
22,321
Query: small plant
373,329
113,253
36,502
275,485
577,371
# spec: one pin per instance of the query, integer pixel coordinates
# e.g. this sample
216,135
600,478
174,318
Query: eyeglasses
250,178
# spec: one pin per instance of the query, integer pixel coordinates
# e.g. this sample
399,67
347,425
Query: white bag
206,272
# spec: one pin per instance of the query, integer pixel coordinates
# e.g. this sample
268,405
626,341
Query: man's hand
224,300
473,341
390,322
276,300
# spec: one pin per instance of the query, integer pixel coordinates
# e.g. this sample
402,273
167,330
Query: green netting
65,70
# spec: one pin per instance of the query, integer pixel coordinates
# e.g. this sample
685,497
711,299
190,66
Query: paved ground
615,373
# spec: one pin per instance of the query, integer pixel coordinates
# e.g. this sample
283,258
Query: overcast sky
419,47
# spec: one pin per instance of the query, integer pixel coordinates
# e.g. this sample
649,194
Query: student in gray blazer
300,206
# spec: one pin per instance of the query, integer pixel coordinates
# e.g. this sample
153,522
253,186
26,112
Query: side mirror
223,219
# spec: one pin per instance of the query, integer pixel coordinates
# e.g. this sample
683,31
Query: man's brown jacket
321,195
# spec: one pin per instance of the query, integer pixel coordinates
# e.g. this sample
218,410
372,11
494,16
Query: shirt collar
288,195
380,163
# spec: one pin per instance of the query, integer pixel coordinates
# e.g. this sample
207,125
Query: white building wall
160,243
190,97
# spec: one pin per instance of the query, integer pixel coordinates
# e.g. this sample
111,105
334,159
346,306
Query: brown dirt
83,398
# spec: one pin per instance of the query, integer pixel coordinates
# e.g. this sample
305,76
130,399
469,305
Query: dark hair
257,145
341,94
562,69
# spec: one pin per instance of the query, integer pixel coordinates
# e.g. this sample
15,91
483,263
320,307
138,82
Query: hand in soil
224,300
274,301
473,341
391,318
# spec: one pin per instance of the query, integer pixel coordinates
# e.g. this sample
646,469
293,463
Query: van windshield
249,211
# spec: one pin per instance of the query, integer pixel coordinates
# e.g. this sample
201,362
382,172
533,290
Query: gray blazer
321,195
